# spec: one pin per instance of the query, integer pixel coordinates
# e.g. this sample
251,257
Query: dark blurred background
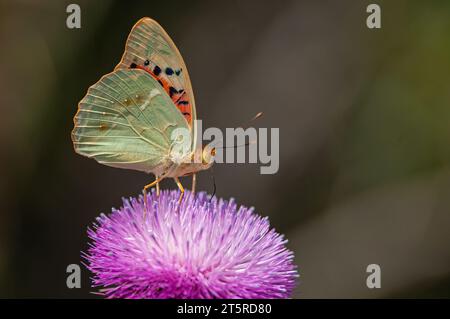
364,120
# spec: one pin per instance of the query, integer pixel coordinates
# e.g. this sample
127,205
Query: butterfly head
208,154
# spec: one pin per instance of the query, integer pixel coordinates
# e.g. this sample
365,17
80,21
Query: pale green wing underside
148,41
126,120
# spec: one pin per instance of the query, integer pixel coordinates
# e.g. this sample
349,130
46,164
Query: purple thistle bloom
200,249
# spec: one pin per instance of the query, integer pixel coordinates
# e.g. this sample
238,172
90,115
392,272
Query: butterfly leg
146,187
157,186
194,182
181,189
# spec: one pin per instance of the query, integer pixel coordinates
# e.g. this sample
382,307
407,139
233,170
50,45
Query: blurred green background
364,118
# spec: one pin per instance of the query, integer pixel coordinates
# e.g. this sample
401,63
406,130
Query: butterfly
129,118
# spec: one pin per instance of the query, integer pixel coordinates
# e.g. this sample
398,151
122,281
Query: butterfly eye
146,62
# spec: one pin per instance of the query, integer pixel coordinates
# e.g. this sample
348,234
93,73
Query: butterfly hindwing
126,120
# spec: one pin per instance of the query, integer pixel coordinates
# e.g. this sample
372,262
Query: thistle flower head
198,249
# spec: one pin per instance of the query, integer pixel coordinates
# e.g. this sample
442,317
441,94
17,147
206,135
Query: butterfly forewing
149,48
126,120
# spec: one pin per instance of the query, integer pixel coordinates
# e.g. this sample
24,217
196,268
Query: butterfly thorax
201,160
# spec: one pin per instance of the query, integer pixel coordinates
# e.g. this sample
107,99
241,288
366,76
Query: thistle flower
198,249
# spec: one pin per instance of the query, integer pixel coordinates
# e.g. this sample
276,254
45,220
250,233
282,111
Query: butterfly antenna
237,146
245,125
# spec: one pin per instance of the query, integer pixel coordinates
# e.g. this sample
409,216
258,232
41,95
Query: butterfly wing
150,48
126,120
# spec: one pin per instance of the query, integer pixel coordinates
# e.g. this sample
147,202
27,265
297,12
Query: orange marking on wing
185,109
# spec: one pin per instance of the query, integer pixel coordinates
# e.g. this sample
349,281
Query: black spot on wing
172,91
157,70
133,65
169,71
